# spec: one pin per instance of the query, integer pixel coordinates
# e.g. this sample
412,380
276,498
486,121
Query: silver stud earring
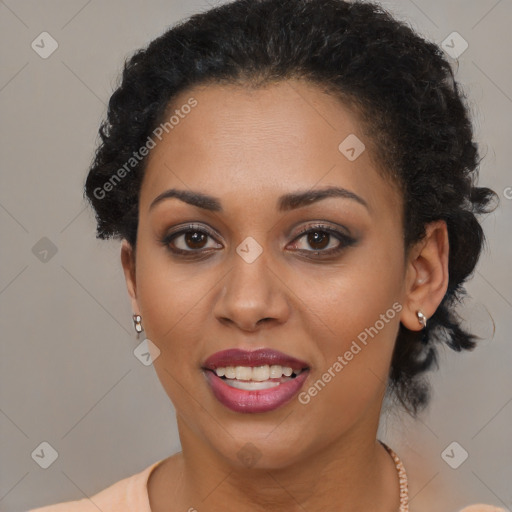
137,323
421,318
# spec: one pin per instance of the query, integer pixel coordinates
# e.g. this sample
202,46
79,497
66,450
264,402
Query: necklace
402,477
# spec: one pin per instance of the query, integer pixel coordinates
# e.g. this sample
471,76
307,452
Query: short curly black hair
408,101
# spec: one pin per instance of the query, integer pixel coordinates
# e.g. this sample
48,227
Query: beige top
131,495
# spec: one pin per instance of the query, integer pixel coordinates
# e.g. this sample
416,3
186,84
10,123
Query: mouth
254,381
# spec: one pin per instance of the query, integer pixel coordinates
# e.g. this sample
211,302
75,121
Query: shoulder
482,508
125,495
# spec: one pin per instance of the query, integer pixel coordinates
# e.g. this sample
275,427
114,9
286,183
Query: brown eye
322,241
190,241
195,239
318,239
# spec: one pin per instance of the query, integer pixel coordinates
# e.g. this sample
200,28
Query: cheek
342,303
354,331
169,294
354,357
352,313
171,304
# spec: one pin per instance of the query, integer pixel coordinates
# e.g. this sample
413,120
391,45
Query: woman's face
246,278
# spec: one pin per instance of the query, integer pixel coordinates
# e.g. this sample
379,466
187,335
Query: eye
189,240
195,240
324,240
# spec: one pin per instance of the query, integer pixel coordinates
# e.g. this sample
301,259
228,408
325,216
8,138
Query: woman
293,183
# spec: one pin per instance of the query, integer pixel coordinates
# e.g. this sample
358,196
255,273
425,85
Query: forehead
261,142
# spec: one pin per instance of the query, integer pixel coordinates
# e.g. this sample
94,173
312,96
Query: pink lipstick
254,381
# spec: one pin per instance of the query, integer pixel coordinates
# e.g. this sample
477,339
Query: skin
247,148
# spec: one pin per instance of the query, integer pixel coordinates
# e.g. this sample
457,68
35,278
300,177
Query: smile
259,385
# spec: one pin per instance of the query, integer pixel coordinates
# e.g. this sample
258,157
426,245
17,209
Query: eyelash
345,240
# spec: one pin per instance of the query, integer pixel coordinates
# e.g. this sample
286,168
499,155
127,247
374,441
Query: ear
128,262
427,275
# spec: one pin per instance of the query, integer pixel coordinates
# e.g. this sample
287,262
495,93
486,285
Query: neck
353,473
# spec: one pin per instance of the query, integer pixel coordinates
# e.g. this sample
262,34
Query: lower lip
261,400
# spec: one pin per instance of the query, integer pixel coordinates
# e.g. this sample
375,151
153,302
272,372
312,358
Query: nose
252,296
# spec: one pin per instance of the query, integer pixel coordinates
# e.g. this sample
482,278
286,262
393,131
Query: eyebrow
285,202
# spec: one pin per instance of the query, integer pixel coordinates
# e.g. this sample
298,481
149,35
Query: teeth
243,373
256,373
276,371
251,386
261,373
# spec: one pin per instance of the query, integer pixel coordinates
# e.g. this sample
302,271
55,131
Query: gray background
68,373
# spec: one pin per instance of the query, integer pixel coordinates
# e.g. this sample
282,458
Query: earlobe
128,263
427,275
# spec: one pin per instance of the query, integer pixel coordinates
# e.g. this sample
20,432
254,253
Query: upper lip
260,357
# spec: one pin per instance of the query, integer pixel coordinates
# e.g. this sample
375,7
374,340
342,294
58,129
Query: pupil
314,238
195,239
